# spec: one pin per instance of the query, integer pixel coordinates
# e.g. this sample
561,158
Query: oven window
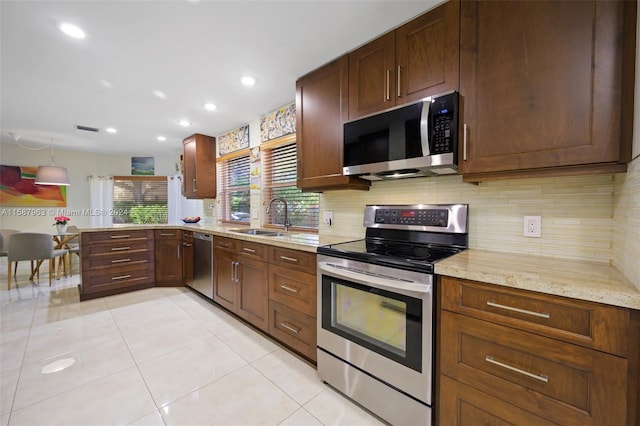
387,323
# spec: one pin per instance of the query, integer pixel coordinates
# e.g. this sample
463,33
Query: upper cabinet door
542,83
199,167
419,59
321,108
372,77
428,54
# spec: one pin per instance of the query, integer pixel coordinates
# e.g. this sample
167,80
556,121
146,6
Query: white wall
80,165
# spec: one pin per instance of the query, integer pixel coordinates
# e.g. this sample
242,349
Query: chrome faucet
287,224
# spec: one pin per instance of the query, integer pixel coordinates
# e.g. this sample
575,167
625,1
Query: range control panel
419,217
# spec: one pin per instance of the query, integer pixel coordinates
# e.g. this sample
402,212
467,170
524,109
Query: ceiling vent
87,128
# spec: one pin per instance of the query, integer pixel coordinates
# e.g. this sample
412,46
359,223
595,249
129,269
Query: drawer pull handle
121,260
120,277
541,377
120,236
119,248
290,259
248,250
291,289
545,315
167,235
290,327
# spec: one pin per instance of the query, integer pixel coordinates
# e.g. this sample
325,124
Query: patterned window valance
234,140
278,123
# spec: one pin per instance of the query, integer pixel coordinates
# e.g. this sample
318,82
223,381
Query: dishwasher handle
203,236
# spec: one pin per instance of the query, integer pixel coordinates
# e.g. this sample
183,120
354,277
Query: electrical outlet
532,226
327,218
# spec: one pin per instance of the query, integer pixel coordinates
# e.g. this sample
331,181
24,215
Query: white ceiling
193,51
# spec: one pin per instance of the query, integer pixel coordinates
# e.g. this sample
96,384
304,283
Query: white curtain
177,205
101,200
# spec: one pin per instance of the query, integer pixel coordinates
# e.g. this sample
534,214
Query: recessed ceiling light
210,107
106,83
161,138
184,122
159,94
111,130
248,81
72,30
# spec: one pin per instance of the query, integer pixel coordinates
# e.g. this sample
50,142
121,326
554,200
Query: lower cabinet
168,257
116,262
241,279
510,356
273,288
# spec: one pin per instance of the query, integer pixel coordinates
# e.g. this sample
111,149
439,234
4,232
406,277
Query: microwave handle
425,128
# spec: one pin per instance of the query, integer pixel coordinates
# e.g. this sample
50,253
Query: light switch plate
327,218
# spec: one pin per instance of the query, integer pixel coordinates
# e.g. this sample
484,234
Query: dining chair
73,246
4,238
34,247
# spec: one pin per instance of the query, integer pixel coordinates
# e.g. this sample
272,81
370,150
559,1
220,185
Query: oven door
379,320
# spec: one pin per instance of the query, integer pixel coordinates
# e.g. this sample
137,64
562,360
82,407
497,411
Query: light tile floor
161,356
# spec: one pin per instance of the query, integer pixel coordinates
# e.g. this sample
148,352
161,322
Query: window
140,199
279,180
235,191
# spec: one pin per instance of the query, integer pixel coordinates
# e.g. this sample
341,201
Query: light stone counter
596,282
293,240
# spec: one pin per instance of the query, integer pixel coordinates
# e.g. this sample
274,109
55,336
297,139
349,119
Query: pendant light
52,175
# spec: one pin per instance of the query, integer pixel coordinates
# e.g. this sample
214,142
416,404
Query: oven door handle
374,280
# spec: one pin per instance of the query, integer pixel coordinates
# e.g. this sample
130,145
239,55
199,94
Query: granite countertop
293,240
578,279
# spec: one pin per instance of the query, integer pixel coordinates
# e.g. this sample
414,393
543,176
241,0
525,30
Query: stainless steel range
375,305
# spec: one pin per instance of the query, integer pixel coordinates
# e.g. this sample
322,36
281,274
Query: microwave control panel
443,123
430,217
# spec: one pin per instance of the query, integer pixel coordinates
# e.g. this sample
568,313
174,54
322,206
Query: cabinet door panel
541,84
428,54
168,261
372,77
253,296
224,285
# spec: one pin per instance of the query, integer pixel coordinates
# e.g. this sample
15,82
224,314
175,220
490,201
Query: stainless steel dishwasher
203,264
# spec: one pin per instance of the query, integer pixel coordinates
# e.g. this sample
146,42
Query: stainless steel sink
259,231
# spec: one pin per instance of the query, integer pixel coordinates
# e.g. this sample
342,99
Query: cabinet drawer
293,288
252,250
295,259
562,382
463,405
117,278
293,328
116,259
121,247
168,234
224,243
584,323
129,235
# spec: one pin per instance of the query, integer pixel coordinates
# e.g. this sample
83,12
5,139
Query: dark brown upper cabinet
418,59
199,166
321,108
547,87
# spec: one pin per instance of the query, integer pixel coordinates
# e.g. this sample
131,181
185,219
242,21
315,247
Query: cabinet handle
119,236
290,327
234,266
167,235
541,377
248,250
120,277
291,289
194,186
120,248
178,247
388,95
290,259
398,85
121,260
464,142
545,315
186,244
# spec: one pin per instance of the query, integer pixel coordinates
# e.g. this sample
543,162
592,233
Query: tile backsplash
577,213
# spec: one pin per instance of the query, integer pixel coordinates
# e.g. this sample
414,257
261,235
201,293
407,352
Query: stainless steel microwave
419,139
